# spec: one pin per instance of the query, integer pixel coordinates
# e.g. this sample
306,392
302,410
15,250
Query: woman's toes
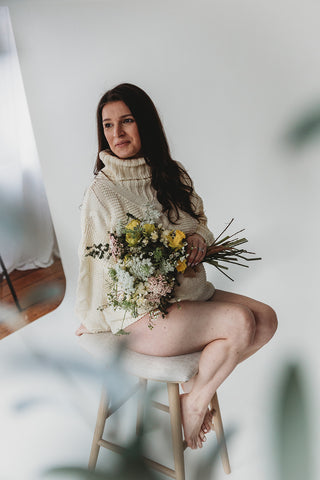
207,423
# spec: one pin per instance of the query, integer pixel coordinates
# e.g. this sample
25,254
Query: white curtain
27,238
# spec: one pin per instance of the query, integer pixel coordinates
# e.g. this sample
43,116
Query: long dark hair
171,182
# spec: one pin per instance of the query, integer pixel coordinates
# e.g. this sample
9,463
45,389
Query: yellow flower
133,224
181,266
175,238
149,228
132,238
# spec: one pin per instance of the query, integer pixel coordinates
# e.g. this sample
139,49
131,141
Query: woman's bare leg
224,331
265,323
265,319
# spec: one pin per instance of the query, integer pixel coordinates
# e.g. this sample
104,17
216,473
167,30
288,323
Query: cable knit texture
121,187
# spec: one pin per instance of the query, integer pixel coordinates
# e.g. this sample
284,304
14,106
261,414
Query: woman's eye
107,125
128,120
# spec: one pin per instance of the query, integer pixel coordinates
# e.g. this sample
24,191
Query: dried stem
224,250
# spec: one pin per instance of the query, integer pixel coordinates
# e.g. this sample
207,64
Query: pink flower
114,247
157,288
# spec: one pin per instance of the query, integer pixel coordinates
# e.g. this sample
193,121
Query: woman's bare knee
243,327
268,322
272,320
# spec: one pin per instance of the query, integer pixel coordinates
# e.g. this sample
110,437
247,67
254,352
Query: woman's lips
122,144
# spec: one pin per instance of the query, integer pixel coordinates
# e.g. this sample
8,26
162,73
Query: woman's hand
196,249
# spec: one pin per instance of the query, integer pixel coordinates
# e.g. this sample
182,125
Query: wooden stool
172,371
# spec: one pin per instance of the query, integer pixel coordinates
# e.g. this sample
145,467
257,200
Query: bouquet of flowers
143,262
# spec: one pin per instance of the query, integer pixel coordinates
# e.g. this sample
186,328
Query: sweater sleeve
92,276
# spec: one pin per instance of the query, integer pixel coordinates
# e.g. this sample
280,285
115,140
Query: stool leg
141,400
176,429
98,432
218,427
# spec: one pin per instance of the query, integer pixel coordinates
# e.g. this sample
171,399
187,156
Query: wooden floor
39,291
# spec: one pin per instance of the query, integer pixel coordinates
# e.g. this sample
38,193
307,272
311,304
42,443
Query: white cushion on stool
176,369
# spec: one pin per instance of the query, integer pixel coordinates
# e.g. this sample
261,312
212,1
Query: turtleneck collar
118,169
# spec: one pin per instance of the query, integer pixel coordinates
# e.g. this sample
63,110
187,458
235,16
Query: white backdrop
228,79
27,237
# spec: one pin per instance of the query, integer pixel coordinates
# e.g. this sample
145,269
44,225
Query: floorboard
39,291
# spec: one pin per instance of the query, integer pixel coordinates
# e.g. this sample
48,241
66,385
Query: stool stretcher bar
157,466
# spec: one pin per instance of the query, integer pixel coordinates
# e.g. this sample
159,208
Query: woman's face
121,130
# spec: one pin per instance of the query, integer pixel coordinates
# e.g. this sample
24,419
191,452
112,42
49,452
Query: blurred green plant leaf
43,293
304,129
132,466
78,473
292,428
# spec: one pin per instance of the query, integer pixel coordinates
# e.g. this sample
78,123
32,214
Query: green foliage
97,250
292,428
158,254
304,129
132,467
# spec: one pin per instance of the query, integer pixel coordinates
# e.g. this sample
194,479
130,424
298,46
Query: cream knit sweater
125,186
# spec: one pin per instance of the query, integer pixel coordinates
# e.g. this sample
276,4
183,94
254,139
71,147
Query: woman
134,167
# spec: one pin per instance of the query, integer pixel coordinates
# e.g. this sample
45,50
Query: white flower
151,214
140,302
166,266
141,289
164,236
119,228
141,268
125,280
154,236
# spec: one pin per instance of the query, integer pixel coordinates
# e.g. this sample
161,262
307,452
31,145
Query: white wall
228,79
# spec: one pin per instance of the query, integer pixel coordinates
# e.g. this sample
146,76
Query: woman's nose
118,130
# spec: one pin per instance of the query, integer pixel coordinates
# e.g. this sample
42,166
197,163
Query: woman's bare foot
81,330
207,422
206,426
192,420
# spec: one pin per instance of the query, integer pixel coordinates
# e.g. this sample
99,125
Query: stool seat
177,369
